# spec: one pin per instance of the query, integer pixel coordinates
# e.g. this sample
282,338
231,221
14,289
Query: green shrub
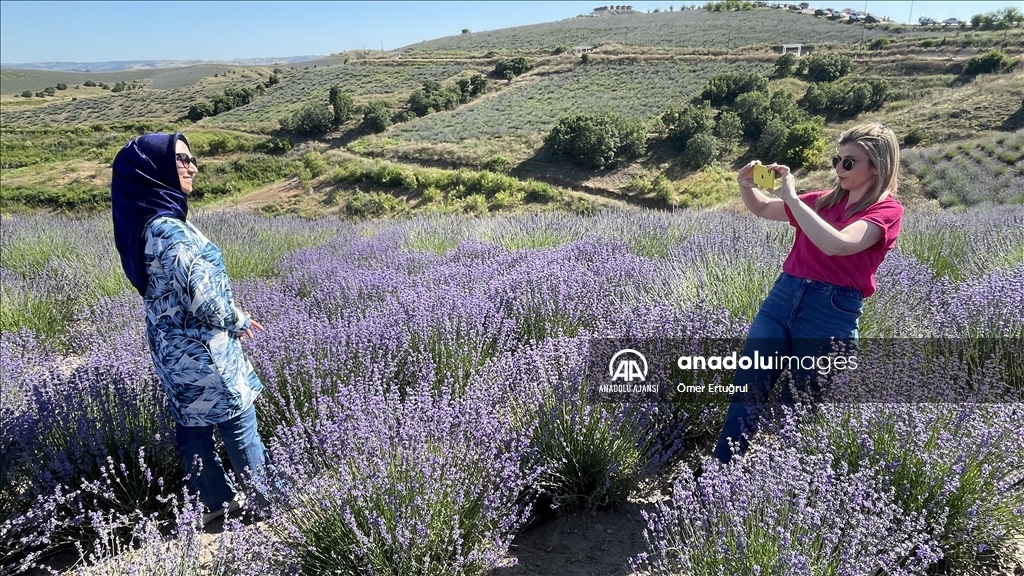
848,98
341,104
804,144
232,98
273,146
313,119
684,123
915,136
784,106
828,67
434,97
89,83
725,88
754,111
374,205
880,43
26,94
498,164
992,61
404,116
62,86
376,116
597,140
729,128
771,142
785,65
315,163
514,66
663,189
700,151
199,110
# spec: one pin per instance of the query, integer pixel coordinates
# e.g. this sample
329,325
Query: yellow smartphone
764,177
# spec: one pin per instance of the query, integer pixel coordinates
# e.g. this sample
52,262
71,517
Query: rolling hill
635,65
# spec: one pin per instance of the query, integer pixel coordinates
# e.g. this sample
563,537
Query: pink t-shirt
856,271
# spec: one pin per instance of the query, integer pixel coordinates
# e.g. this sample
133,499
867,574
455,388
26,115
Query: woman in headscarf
192,325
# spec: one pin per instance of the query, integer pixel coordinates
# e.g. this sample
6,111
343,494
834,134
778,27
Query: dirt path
598,543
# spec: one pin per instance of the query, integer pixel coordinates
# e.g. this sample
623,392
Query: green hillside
691,29
637,68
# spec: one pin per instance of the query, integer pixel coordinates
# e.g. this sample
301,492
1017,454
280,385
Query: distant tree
477,84
26,94
998,20
785,65
729,128
754,111
804,144
597,140
828,67
847,98
376,116
62,86
49,90
342,105
199,110
517,66
684,123
89,83
784,106
232,98
434,97
584,58
770,143
700,151
724,88
464,90
273,79
313,119
465,30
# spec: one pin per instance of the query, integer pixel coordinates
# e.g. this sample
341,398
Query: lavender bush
783,512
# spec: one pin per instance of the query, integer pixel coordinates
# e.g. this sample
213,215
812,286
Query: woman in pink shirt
842,235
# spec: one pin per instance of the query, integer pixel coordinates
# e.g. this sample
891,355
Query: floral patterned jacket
193,326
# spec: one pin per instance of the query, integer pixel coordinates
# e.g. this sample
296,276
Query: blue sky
105,31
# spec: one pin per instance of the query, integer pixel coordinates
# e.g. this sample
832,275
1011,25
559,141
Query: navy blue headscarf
145,186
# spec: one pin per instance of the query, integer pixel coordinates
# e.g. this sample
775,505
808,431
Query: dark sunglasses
847,162
185,159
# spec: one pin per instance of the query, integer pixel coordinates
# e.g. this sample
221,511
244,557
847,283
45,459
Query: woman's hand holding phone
787,189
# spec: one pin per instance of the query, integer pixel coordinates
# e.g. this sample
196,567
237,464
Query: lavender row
391,338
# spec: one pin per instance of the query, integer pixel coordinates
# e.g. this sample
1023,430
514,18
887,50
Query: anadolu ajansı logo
628,365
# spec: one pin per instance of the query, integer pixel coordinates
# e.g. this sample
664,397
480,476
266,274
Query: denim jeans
799,318
205,470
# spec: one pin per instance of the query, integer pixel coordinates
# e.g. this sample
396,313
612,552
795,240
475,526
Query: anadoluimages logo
628,365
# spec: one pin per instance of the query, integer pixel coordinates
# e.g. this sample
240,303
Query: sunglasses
185,159
847,162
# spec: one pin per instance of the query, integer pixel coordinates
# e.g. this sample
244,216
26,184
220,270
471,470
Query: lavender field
426,386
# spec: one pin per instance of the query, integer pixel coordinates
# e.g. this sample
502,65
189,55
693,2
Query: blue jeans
204,468
800,318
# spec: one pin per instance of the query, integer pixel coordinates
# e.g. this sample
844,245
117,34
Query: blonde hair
883,150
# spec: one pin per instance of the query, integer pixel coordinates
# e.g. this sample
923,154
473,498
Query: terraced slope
695,29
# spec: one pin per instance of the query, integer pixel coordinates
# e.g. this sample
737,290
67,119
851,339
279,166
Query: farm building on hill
613,10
